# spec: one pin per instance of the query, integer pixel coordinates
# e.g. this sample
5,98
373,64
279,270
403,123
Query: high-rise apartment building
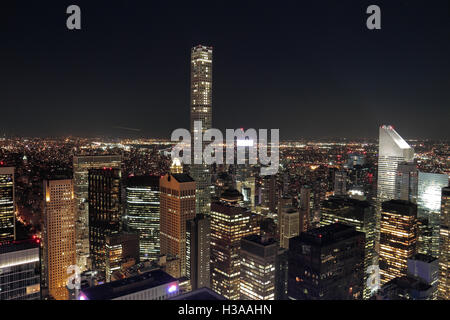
258,266
340,183
229,224
327,263
444,258
20,275
59,235
429,205
177,205
360,215
81,166
198,237
201,110
105,212
142,213
7,204
398,238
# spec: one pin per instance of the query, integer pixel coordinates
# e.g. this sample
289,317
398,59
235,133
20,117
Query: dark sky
310,68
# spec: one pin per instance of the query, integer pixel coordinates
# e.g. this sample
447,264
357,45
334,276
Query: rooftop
119,288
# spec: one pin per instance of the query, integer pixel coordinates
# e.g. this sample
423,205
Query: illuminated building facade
392,150
105,211
289,224
425,268
201,110
258,261
305,211
327,263
142,214
269,197
358,214
198,237
429,205
398,238
20,275
81,166
152,285
121,248
177,196
444,259
7,204
229,224
59,235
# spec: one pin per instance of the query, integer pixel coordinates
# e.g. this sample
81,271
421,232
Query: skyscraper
105,212
20,275
198,237
327,263
398,238
289,225
7,204
406,182
142,213
258,261
81,166
177,198
392,150
201,110
229,224
444,259
429,205
340,183
360,215
59,235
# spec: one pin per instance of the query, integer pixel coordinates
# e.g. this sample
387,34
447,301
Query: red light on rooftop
320,236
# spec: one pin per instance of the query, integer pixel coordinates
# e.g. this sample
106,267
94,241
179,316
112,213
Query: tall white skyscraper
392,150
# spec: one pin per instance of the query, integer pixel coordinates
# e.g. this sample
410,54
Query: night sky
310,68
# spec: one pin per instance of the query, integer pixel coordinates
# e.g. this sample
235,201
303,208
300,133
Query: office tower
340,183
105,212
281,274
81,166
305,208
7,204
199,294
229,224
444,258
289,222
59,235
269,194
360,215
177,196
392,150
406,182
429,205
20,275
198,237
327,263
398,238
201,110
152,285
121,248
425,268
142,214
258,260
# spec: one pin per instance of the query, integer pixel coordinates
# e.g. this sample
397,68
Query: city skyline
271,70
